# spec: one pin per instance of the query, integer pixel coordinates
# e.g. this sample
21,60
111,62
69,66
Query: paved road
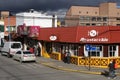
13,70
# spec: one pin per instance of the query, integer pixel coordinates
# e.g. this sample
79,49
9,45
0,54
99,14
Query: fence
102,62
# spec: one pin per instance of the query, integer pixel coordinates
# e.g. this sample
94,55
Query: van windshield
15,45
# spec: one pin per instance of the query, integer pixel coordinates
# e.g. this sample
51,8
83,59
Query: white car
24,56
10,48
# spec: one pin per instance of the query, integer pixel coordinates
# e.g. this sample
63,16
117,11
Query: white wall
35,19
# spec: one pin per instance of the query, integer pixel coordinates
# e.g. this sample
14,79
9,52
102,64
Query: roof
82,34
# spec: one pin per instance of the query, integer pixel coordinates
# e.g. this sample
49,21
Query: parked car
24,56
10,48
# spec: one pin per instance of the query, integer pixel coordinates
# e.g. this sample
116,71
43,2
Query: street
14,70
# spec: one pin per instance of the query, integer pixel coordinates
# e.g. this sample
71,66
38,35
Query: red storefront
98,41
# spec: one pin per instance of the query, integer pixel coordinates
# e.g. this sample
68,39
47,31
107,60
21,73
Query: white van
10,48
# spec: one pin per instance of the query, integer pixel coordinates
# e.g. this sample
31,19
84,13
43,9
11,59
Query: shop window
55,47
72,48
112,50
94,51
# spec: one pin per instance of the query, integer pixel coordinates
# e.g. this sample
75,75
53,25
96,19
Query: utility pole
9,28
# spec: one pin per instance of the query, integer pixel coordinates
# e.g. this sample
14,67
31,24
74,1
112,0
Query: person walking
111,69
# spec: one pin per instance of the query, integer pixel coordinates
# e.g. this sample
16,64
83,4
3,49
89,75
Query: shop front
101,44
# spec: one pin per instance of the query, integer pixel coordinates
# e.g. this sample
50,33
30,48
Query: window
93,18
19,52
95,12
118,19
87,24
1,28
73,49
10,28
87,18
82,18
112,50
79,12
105,18
94,50
15,45
87,12
99,19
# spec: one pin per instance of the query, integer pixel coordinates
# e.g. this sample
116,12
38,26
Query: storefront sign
93,37
53,38
33,31
94,40
92,33
22,30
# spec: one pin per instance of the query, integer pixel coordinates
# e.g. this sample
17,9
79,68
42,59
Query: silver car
24,56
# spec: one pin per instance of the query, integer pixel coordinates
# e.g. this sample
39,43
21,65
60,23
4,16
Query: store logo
92,33
53,38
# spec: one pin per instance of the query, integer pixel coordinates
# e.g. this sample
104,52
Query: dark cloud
47,5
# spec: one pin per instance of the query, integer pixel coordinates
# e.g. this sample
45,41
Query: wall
35,19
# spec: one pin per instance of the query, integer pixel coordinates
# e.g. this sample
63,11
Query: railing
94,61
88,61
55,55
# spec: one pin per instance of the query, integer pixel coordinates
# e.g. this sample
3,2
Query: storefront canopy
81,34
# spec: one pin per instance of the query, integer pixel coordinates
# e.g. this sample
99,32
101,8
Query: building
4,14
34,18
95,46
105,14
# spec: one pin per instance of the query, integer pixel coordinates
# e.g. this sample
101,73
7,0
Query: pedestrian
112,69
68,55
35,50
31,50
39,51
65,58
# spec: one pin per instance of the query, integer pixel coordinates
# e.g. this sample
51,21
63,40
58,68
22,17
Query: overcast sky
54,6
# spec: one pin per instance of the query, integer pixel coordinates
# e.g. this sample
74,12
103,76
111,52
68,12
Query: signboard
33,31
53,38
89,47
22,30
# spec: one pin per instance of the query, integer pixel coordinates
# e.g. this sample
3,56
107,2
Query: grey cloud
46,5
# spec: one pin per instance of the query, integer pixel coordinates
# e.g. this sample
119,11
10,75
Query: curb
70,70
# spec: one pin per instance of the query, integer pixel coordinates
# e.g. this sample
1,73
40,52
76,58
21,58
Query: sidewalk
60,65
